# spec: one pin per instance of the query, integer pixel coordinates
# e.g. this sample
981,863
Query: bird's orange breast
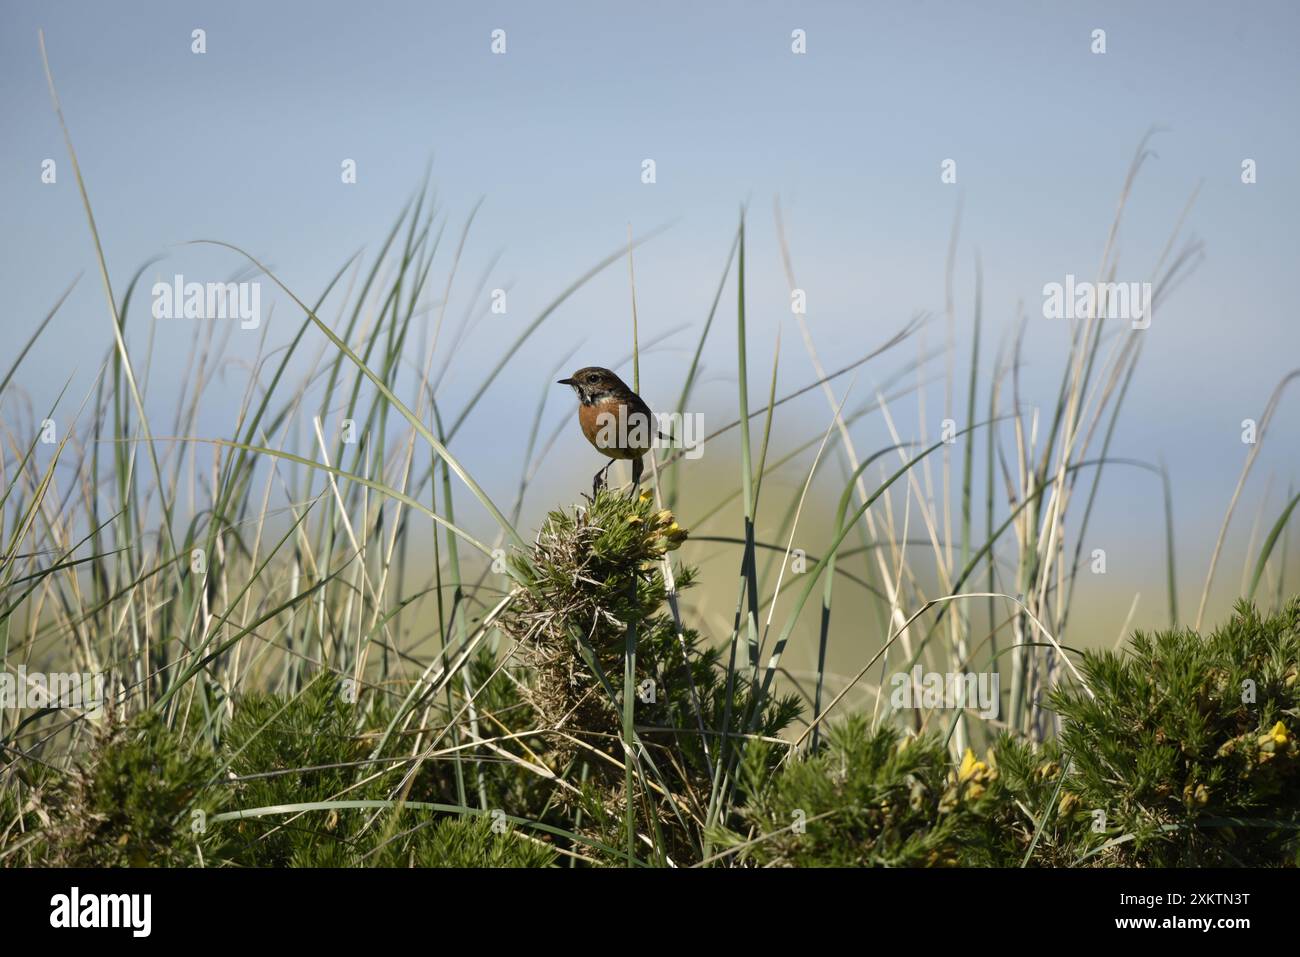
624,436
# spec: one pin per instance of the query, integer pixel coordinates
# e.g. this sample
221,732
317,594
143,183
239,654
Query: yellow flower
673,535
1200,795
970,767
1069,801
1275,738
970,780
646,495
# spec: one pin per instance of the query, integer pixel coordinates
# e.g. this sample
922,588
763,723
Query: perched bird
613,418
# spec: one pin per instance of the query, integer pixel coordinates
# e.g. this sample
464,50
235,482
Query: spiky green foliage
432,842
140,797
593,575
869,798
314,748
1181,752
1032,813
466,842
1187,744
504,714
289,751
595,572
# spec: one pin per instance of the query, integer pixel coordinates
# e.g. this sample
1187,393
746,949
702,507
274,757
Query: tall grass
199,569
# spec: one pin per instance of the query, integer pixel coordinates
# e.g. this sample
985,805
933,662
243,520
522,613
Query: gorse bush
431,841
1180,751
139,797
285,751
594,583
1186,747
1029,828
146,794
274,790
595,574
883,798
314,748
592,575
867,798
464,842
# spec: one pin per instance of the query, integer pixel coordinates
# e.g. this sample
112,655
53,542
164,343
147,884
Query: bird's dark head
594,383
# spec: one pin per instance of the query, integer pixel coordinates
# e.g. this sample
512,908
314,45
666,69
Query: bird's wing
637,406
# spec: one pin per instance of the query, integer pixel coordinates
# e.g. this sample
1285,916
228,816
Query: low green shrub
310,749
139,797
595,573
867,798
1185,751
1180,751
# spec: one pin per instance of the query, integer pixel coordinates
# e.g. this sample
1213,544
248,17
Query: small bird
614,419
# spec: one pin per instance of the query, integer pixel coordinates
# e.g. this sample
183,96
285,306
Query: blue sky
244,144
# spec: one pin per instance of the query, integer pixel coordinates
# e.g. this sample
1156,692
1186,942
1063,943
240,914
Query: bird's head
594,383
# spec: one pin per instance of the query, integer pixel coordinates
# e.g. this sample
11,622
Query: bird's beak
564,382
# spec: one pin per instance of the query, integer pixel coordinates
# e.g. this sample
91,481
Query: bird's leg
598,481
637,465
